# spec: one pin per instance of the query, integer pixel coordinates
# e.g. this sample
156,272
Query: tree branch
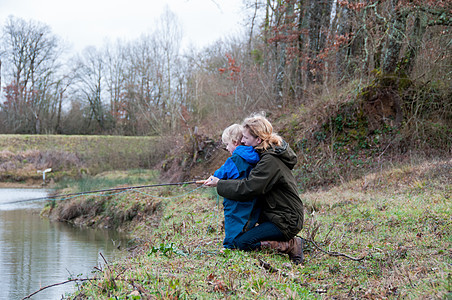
336,253
56,284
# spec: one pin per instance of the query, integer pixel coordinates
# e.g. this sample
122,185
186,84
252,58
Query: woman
272,181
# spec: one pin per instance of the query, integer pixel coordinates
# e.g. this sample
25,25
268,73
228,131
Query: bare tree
168,37
144,86
31,53
319,20
115,66
90,83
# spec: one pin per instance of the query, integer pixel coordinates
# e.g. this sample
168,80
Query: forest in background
395,55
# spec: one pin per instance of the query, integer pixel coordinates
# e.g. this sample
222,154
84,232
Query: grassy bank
398,219
74,156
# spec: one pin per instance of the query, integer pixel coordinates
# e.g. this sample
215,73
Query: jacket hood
247,153
284,153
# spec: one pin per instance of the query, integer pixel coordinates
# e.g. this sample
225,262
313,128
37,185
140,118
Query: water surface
35,252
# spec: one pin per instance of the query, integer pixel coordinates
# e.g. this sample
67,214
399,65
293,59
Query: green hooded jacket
272,181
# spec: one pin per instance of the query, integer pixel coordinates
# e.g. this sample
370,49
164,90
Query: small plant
166,250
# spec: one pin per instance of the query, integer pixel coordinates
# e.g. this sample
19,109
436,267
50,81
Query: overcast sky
90,22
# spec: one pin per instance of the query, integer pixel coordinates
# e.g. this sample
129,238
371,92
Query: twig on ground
329,231
138,287
267,266
270,268
336,253
56,284
105,260
314,227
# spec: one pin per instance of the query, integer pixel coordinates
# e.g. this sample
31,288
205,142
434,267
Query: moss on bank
361,128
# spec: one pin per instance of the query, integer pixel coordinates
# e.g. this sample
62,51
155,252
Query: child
239,216
281,217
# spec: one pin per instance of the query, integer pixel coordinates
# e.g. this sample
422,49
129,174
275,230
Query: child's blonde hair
259,127
232,134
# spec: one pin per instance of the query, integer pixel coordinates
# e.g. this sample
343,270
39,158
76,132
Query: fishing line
159,197
213,218
123,189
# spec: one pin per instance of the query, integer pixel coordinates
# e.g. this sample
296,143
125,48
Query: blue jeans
251,239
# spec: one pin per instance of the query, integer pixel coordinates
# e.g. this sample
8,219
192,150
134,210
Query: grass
74,156
108,179
398,219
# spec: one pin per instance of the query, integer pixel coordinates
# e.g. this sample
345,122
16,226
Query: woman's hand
211,181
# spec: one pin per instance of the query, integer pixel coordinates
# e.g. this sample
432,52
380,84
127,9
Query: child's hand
211,181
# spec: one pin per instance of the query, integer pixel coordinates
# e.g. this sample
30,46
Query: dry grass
75,156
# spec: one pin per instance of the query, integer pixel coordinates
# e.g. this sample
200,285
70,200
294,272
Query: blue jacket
238,216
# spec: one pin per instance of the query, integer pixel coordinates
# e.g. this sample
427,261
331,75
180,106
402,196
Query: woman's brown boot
295,250
293,247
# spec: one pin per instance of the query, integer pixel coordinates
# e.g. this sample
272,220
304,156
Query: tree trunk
341,54
395,38
281,55
319,18
301,26
415,39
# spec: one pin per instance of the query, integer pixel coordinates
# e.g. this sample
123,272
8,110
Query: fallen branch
336,253
56,284
268,267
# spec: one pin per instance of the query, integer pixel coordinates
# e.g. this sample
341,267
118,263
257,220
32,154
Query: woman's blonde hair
232,134
259,127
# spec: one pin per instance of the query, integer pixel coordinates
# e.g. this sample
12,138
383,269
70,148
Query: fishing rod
107,190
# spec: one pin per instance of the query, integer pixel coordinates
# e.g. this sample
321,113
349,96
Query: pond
35,252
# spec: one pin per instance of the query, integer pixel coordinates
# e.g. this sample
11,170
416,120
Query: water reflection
11,199
35,252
